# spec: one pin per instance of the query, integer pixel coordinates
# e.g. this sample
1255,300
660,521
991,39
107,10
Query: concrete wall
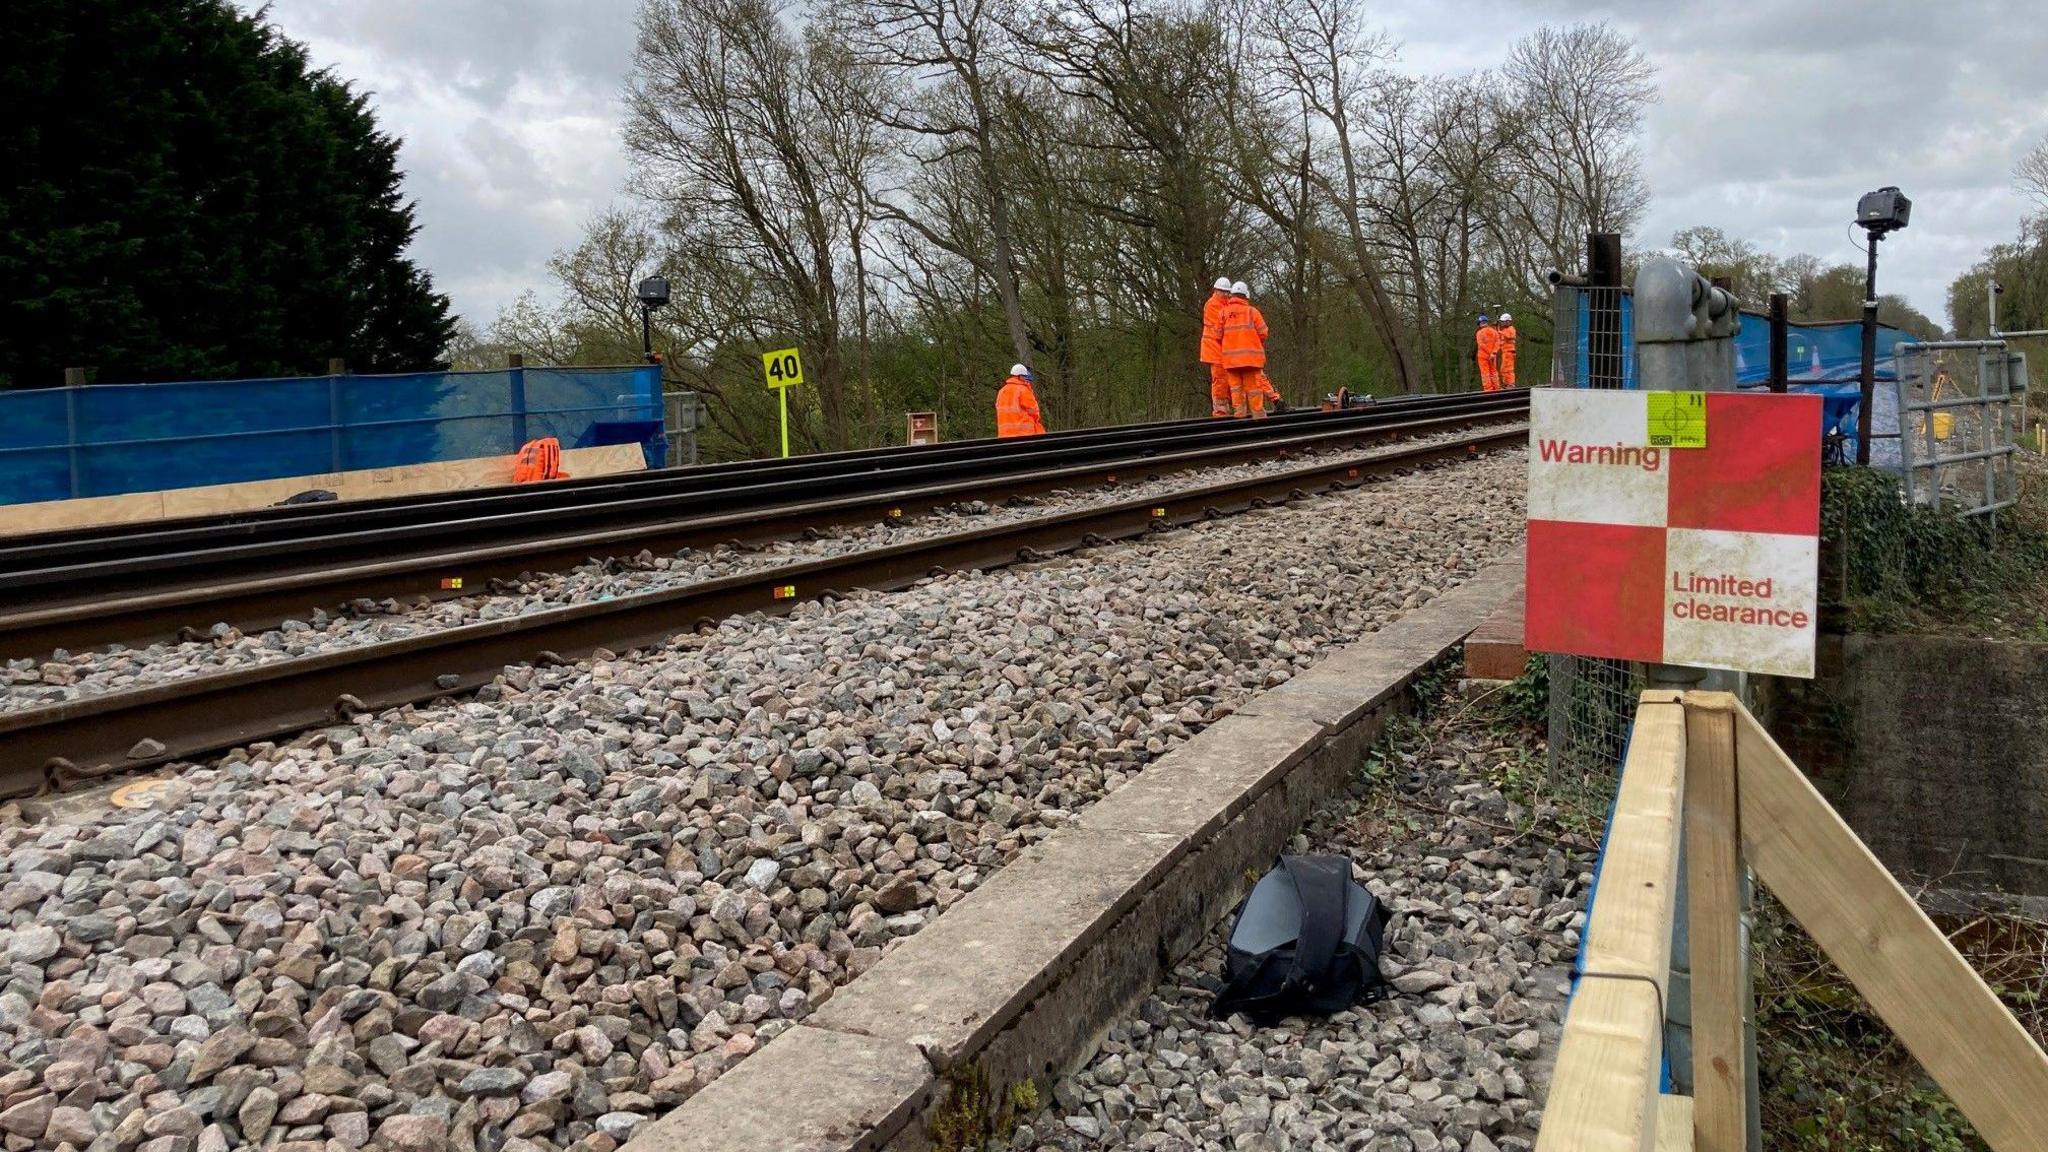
1935,749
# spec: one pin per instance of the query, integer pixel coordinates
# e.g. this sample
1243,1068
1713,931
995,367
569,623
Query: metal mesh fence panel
1592,703
1959,420
1595,338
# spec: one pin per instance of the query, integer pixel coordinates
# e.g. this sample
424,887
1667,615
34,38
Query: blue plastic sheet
103,440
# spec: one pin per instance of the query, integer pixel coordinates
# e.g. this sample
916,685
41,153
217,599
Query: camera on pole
653,293
1879,213
1885,210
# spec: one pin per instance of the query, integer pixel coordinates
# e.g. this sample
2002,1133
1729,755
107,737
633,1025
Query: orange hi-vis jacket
1212,327
539,460
1017,409
1489,345
1507,355
1244,335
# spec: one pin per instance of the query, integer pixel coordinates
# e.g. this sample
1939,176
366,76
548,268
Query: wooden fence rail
1700,764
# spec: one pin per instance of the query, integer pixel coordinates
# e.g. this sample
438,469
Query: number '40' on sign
783,368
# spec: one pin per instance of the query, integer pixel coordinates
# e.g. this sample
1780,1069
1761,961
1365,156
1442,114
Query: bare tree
1323,53
2030,175
724,111
1574,165
945,79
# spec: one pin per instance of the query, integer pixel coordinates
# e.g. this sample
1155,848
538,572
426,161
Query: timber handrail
1702,770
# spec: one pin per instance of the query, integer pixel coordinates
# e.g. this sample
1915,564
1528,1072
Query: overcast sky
1776,115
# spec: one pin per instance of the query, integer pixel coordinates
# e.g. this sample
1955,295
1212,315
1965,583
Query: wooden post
1603,1093
1888,948
74,377
336,366
1713,878
1780,324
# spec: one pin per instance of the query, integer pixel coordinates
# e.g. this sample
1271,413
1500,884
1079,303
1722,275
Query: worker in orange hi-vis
1244,348
1489,355
1260,393
1507,350
1212,348
1017,406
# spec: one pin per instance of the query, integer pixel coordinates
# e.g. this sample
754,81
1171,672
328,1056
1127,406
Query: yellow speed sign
783,368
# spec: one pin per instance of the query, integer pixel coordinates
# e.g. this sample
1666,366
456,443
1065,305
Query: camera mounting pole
1878,213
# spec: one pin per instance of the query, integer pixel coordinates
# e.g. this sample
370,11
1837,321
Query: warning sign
1702,549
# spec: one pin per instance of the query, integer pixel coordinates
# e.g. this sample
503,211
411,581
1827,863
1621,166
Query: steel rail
879,458
286,530
61,744
183,558
94,604
574,489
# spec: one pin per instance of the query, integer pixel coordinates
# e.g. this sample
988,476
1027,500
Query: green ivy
1888,566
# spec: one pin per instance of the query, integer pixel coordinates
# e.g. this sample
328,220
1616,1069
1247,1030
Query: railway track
141,585
64,744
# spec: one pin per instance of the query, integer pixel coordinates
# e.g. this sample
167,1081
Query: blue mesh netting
1815,353
108,439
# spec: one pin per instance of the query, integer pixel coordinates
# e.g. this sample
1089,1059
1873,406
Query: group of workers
1496,352
1234,347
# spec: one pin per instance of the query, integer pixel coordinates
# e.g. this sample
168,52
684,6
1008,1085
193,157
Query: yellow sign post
784,369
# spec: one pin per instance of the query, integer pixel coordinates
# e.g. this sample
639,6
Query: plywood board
213,499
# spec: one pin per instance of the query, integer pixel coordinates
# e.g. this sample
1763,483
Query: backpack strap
1321,885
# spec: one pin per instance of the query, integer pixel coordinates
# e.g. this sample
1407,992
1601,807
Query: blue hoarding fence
1815,353
109,439
1824,359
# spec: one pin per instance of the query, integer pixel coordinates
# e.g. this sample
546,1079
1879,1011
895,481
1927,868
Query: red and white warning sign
1643,549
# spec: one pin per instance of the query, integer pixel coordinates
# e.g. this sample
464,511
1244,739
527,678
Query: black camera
1885,210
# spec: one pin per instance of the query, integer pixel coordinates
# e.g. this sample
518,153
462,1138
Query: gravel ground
1486,923
67,675
535,917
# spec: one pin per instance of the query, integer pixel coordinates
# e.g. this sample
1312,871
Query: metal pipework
1725,320
1684,329
1665,322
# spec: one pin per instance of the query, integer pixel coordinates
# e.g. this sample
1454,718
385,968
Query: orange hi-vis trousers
1260,395
1489,373
1244,387
1219,391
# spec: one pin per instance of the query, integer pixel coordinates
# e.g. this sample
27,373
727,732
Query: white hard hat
1020,370
1506,319
1223,283
1239,289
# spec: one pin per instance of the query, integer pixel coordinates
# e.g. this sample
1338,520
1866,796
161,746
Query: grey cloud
1774,118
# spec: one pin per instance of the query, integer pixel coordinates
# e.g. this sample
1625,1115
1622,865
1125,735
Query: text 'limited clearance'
1695,585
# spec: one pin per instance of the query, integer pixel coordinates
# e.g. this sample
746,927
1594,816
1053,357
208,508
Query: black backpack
1306,942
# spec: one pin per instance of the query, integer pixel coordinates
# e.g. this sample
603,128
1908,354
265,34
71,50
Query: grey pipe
1665,323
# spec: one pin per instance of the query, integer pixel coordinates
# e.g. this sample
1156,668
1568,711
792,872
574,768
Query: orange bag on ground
539,460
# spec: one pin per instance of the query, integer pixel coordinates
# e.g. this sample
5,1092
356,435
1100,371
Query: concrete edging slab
1016,983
